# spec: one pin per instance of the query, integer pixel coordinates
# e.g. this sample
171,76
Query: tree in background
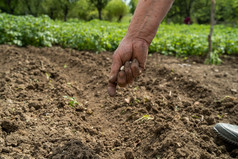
58,8
117,9
180,10
212,57
132,5
200,11
49,8
8,6
32,7
66,6
81,10
188,6
100,5
197,10
227,11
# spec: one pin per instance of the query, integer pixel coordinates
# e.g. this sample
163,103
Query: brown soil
169,112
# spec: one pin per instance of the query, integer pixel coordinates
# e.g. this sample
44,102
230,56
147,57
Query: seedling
123,112
195,117
137,100
65,66
69,85
146,99
228,97
47,76
136,88
220,116
71,101
145,117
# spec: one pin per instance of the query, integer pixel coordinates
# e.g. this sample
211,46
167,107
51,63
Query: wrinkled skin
134,50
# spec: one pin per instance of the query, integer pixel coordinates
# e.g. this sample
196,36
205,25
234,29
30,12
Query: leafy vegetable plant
179,40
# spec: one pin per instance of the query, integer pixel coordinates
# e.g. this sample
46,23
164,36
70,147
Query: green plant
145,117
47,76
195,117
117,9
228,97
137,100
174,39
213,59
71,101
220,116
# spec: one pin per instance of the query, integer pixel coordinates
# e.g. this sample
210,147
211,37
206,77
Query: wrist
147,18
136,31
137,39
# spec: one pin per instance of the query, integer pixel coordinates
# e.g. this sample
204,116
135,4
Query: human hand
132,54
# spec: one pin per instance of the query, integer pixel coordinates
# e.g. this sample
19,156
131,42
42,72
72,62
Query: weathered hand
132,54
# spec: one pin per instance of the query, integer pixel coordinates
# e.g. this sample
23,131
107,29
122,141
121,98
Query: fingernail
111,91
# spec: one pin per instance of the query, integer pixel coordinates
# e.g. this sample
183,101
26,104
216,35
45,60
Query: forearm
147,17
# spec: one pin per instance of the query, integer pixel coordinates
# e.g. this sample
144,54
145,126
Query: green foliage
144,118
32,7
27,30
227,11
184,40
132,6
179,40
100,5
213,59
117,9
93,14
59,8
81,10
8,6
55,9
199,11
180,10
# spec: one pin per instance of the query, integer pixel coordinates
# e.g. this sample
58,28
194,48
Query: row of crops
95,35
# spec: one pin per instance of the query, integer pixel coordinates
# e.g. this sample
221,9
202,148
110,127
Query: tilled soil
169,112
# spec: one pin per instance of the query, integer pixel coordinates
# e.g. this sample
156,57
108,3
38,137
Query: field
179,40
54,104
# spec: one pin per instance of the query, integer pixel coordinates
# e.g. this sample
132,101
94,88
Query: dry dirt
169,112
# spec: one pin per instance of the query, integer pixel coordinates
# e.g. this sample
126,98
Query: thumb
112,83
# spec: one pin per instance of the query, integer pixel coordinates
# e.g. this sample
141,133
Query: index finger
112,83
